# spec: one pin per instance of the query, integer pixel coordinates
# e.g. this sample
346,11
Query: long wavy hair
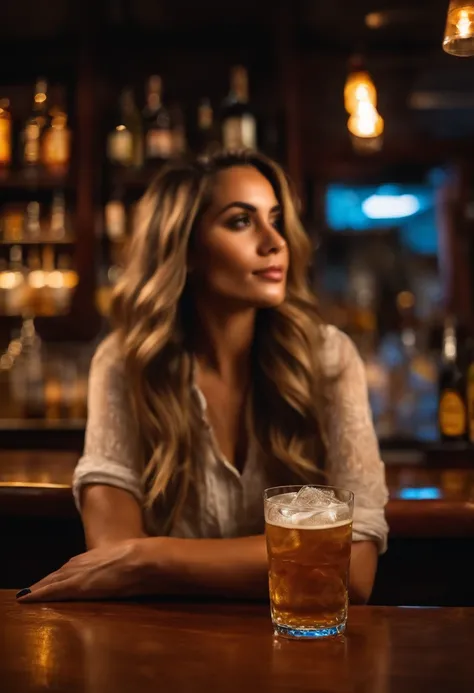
152,314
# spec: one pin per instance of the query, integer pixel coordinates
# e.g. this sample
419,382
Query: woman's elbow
359,594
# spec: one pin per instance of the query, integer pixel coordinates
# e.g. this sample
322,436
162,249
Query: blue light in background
379,206
420,493
410,208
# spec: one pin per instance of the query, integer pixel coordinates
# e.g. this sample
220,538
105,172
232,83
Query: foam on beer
285,511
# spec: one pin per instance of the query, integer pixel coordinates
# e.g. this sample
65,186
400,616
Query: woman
219,380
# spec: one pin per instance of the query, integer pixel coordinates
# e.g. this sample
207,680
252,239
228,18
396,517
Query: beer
309,553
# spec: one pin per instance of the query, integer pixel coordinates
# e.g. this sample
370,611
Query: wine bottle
452,414
207,140
124,143
239,126
159,140
5,135
35,126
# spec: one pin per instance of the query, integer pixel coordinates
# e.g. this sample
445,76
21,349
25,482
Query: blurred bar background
374,123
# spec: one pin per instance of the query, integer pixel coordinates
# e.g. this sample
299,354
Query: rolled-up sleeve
353,452
111,451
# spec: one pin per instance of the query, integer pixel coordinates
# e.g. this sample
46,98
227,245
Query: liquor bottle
124,142
207,141
56,144
239,127
32,221
179,132
470,390
157,124
115,216
36,280
35,126
452,414
57,228
5,135
15,283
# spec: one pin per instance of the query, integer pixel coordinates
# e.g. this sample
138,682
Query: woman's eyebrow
248,207
241,205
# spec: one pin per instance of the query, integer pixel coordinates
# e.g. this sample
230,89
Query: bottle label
5,142
239,132
120,147
56,147
159,144
452,414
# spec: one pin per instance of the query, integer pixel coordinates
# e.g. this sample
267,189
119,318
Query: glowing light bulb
365,121
463,24
359,87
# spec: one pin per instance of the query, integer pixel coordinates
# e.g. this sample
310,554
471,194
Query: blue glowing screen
410,208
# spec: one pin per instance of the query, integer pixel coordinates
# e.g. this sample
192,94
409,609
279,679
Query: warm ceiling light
365,121
374,20
459,33
359,88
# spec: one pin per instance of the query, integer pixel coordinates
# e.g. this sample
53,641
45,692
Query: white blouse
229,503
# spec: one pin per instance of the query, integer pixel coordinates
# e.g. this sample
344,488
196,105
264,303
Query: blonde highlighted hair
151,312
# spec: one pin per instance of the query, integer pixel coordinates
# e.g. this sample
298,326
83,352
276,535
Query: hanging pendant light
366,127
459,33
366,121
359,86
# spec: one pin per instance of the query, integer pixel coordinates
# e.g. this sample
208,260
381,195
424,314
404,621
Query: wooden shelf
35,179
40,241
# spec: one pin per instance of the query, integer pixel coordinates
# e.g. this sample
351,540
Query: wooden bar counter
215,646
424,502
430,514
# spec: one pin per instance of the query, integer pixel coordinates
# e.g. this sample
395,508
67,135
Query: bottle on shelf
115,217
32,221
5,135
124,142
36,281
179,132
57,227
56,143
239,126
63,280
13,222
14,283
159,141
470,390
48,266
35,126
207,140
452,413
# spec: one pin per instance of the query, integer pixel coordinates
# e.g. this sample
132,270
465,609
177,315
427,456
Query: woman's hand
111,571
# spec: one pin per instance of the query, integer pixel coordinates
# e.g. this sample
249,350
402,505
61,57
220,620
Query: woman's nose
271,240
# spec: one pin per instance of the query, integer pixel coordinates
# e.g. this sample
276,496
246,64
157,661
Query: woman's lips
272,274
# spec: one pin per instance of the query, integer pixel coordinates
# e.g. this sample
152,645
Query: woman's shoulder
336,352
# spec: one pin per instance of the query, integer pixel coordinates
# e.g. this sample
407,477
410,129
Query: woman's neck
222,342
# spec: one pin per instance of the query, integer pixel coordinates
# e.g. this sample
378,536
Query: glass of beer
309,534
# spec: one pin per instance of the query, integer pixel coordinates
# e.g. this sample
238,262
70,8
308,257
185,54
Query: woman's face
239,254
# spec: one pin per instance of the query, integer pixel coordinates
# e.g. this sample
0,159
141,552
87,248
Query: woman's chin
269,301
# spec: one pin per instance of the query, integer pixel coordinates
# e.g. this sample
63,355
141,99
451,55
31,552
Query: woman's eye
240,222
278,224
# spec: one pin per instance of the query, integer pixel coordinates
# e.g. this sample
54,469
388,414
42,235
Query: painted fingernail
23,593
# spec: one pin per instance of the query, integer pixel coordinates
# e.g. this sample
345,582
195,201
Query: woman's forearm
232,567
224,567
